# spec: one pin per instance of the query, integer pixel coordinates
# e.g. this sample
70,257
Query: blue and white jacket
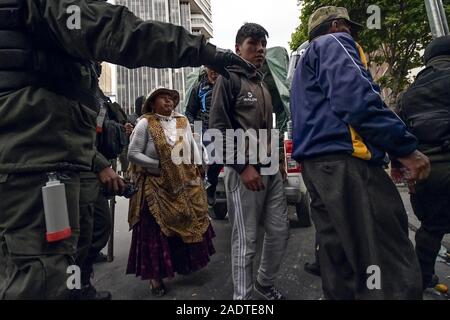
336,107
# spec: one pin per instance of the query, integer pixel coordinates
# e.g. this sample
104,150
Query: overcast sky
279,17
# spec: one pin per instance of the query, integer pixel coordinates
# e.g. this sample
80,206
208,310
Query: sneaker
268,293
312,268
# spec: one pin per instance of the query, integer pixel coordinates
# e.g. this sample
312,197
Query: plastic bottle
55,209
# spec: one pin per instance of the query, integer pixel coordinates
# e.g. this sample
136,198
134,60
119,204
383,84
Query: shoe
433,282
100,258
89,292
159,291
268,293
312,268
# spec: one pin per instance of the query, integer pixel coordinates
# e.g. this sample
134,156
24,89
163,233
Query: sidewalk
442,269
214,282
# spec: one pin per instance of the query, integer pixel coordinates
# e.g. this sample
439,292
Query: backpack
425,107
112,139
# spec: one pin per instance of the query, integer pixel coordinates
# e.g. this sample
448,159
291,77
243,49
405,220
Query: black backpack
112,139
425,107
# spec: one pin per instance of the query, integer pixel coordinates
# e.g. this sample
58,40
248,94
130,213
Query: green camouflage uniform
44,131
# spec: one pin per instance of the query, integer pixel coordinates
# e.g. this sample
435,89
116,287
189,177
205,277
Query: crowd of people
344,136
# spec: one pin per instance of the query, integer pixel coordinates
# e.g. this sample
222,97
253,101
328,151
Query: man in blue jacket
342,132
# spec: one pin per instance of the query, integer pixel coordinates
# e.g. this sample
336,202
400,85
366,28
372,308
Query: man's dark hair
252,30
438,47
138,105
323,29
320,30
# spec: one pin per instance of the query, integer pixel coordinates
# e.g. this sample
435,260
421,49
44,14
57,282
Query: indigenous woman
169,215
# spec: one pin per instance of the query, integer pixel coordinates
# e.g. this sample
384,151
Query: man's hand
417,166
252,179
397,175
111,180
226,58
128,128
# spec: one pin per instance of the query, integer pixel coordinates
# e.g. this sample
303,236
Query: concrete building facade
194,15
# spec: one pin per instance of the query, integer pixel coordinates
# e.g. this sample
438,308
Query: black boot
312,268
88,292
211,195
100,258
433,282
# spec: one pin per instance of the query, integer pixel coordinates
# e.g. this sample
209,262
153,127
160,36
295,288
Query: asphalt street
214,282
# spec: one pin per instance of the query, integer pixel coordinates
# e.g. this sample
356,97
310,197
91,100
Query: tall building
194,15
106,80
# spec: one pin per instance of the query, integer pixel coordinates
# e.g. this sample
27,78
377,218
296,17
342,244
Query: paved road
214,282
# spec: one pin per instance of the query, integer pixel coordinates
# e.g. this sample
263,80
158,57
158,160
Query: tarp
277,61
275,69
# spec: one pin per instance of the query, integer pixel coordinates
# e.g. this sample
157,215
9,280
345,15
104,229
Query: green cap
325,14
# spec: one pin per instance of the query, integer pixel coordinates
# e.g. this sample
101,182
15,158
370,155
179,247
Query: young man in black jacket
198,109
254,192
425,108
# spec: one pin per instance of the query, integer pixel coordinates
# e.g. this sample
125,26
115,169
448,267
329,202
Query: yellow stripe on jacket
360,149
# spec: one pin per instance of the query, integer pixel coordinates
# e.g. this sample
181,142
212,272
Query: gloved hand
226,58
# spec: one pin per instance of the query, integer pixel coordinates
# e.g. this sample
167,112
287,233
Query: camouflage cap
329,13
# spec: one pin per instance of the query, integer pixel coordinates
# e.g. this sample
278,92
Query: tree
398,45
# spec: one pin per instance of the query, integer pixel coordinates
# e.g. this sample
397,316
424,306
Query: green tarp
277,61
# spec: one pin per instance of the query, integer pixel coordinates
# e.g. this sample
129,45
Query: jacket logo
250,97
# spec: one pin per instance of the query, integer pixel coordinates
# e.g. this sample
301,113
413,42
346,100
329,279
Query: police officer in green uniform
48,119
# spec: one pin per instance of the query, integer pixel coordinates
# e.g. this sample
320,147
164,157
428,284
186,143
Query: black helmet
438,47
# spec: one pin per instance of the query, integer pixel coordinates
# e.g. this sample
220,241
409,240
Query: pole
437,18
112,209
443,17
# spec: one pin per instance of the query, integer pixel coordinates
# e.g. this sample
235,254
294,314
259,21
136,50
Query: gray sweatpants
246,209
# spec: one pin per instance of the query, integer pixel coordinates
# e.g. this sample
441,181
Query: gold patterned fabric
177,197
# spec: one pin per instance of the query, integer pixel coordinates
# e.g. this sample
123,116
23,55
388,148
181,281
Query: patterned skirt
153,255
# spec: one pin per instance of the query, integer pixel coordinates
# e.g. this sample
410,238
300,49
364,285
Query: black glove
226,58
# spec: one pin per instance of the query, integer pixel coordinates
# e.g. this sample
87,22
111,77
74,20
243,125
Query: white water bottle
55,209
